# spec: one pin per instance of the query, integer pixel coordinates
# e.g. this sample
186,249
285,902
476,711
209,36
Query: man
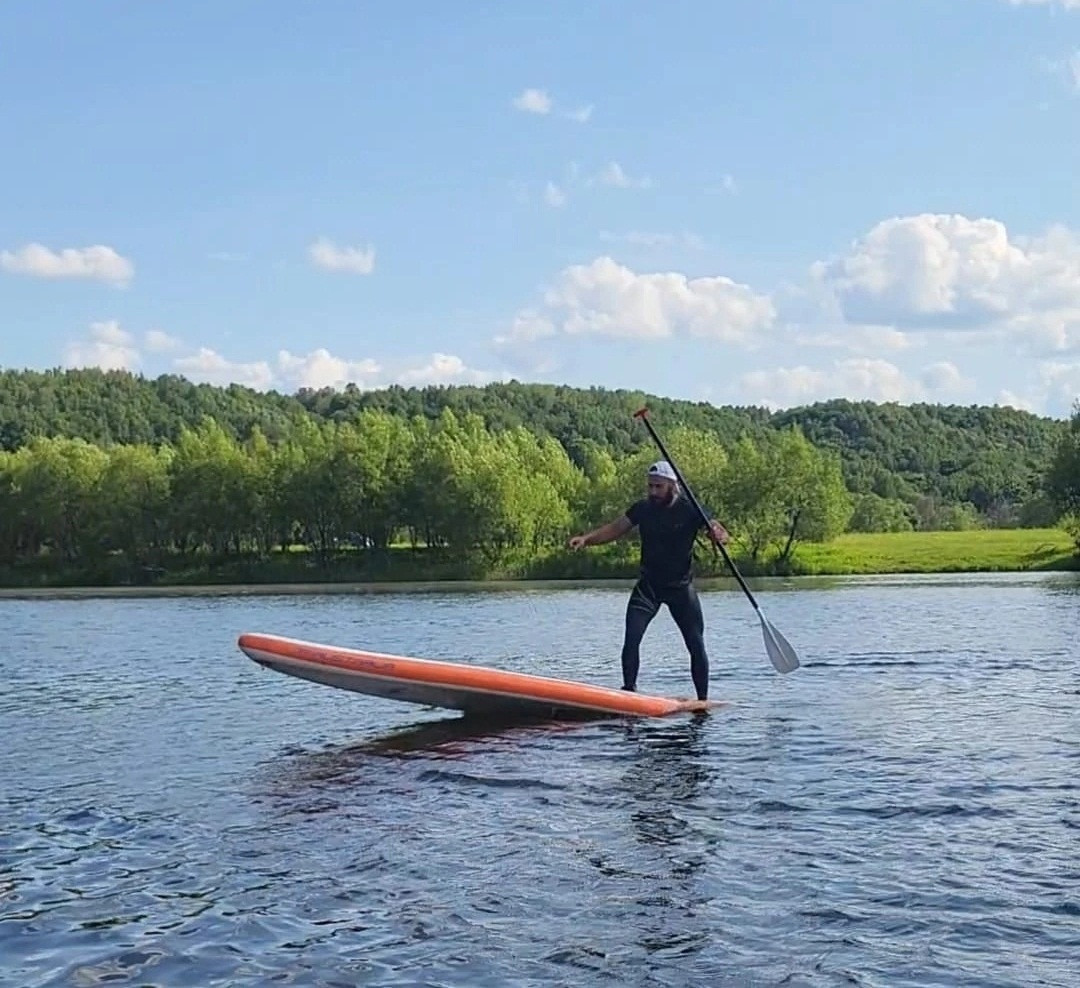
668,523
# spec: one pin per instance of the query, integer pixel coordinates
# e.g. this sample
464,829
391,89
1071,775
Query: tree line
447,484
107,465
931,457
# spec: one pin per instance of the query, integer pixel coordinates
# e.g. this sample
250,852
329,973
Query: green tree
780,491
215,490
131,501
56,495
872,513
1063,477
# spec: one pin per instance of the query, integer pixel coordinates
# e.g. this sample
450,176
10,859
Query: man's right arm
605,533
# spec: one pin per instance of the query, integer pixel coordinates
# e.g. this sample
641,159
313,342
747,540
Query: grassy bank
901,552
983,550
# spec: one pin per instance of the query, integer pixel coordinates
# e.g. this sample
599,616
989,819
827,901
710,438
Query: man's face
660,490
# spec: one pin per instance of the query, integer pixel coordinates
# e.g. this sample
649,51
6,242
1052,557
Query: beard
663,499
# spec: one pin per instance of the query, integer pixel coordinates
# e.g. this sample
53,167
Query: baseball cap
661,468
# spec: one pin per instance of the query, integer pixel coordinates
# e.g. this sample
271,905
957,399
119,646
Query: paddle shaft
643,413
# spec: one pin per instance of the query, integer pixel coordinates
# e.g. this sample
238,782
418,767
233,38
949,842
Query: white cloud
1060,383
857,378
444,368
607,299
942,273
161,342
944,377
856,338
539,101
210,366
1009,399
533,101
108,347
355,260
1052,388
527,326
320,369
964,292
97,262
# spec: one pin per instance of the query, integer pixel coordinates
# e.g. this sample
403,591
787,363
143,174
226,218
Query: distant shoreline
884,554
342,588
706,584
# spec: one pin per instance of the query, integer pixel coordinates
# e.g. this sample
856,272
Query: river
902,810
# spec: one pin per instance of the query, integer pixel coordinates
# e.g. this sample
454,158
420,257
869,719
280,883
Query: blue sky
741,202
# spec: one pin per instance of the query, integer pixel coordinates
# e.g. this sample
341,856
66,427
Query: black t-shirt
667,539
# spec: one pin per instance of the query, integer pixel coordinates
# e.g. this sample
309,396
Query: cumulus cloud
605,298
98,263
1009,399
158,341
527,326
210,366
856,338
107,346
867,378
1052,387
354,260
935,272
444,368
320,368
1059,382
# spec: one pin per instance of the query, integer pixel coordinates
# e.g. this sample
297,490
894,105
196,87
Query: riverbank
978,551
996,550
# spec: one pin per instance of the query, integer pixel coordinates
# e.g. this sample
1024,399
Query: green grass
1003,550
984,550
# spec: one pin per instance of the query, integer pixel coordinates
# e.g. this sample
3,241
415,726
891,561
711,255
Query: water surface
903,810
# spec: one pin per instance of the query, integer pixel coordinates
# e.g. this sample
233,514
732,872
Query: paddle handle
643,414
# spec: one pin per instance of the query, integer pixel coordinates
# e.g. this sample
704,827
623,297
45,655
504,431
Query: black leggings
683,604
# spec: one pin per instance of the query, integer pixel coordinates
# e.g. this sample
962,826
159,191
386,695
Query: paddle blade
781,654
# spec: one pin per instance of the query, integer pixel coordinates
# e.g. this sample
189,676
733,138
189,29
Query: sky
740,202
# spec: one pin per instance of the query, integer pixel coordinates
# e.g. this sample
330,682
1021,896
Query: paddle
780,652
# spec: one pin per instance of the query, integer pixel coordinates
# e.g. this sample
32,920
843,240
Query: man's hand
718,532
577,542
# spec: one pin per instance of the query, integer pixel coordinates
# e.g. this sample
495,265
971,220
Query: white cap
661,468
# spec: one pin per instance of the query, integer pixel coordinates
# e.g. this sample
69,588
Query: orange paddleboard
453,685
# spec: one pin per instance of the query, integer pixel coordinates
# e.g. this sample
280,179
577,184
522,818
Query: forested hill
959,453
978,454
571,415
116,407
